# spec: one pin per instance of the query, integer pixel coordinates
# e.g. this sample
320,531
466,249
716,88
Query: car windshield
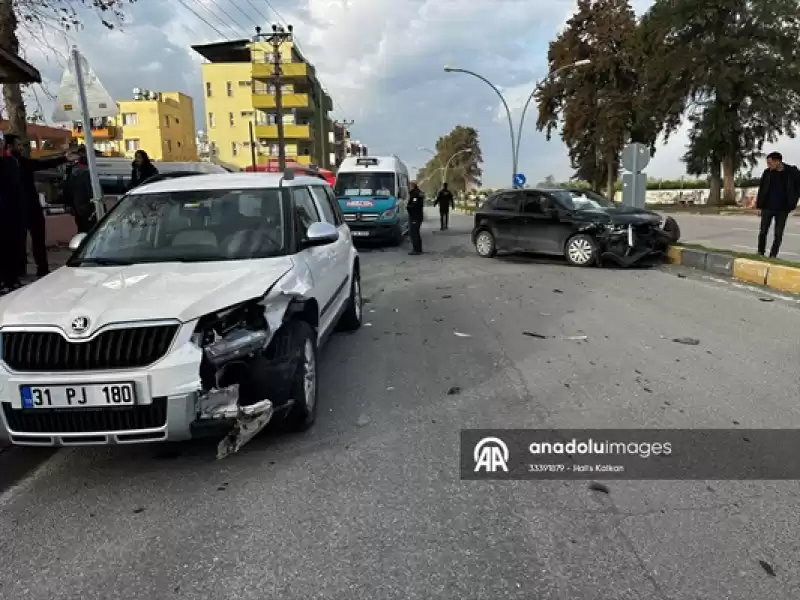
365,184
583,200
188,226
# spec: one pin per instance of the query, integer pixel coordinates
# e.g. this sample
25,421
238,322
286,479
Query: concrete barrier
777,277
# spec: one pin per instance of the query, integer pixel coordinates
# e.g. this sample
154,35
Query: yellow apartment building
160,123
240,92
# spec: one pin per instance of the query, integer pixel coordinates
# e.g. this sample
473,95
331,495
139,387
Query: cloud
381,60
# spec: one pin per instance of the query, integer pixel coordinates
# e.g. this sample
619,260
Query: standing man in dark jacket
79,189
33,211
778,194
416,210
445,201
142,169
12,221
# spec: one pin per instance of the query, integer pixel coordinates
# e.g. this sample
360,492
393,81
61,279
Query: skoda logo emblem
80,324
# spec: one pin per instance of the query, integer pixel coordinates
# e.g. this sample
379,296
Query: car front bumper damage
636,245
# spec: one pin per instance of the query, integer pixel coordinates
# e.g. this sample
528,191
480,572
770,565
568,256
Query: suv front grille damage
129,348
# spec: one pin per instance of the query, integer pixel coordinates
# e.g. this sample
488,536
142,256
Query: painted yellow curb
785,279
751,271
675,255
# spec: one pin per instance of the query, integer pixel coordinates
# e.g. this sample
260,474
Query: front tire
304,382
485,244
581,250
353,315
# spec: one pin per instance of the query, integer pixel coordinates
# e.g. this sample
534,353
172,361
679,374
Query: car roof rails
172,175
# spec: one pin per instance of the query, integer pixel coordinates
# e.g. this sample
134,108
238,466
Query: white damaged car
196,306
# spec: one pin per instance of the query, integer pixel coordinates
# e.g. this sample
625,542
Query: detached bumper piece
640,245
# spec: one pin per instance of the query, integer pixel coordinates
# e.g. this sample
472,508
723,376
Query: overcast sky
381,60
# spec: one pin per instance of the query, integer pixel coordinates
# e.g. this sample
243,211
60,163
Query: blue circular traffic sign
519,179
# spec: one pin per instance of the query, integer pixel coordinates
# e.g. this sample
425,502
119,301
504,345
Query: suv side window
506,201
533,203
337,209
324,203
305,213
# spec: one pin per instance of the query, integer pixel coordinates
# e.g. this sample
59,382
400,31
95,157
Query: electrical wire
224,12
199,16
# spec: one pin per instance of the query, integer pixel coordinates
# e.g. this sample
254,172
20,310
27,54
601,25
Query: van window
365,184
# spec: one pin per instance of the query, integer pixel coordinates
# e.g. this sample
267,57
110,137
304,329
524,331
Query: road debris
453,391
557,291
459,334
768,568
535,335
599,487
767,299
686,341
363,421
446,297
577,338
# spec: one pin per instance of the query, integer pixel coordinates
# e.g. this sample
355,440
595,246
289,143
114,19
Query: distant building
43,139
240,95
160,123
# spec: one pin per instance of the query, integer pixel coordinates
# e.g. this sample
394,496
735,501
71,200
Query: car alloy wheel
310,375
580,250
484,243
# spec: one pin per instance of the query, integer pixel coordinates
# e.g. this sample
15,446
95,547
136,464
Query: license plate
360,233
78,396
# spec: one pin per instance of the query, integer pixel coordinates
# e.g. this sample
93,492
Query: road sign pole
634,179
97,190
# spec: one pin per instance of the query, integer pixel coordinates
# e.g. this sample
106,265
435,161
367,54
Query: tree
599,103
460,152
734,67
44,15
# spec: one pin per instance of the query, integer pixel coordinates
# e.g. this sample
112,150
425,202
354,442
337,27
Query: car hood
620,215
183,291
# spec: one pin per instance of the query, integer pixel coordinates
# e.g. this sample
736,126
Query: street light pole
447,165
505,105
276,39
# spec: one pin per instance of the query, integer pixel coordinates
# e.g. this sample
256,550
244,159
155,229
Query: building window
169,145
131,145
231,120
166,120
211,121
246,114
234,148
130,119
247,83
229,88
273,150
208,90
179,144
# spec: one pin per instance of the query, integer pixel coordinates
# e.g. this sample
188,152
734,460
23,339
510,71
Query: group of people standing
22,213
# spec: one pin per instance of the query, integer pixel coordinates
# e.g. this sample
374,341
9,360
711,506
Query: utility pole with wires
345,125
276,39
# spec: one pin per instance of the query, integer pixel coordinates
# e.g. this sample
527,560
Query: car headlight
388,214
232,333
618,228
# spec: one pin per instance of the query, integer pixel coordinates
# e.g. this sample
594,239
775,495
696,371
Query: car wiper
104,262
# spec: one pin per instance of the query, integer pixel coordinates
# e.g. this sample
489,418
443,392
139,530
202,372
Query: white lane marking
46,469
753,288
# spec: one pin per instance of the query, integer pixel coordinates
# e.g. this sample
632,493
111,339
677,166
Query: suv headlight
618,228
388,214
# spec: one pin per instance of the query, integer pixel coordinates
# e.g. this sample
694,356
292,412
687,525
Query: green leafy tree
460,152
734,66
45,15
599,103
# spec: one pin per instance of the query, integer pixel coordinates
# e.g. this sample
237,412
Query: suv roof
222,181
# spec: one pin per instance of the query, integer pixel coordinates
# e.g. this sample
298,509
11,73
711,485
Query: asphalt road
737,233
369,504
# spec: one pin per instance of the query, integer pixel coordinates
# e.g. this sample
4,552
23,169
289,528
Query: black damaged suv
584,227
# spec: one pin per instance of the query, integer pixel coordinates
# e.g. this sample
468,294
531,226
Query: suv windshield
365,184
583,200
188,226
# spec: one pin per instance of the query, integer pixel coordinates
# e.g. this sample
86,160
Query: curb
776,277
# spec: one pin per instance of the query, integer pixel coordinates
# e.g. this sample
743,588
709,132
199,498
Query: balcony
263,70
290,132
303,159
267,101
98,133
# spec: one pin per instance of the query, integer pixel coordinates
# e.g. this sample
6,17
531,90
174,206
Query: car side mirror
320,234
76,241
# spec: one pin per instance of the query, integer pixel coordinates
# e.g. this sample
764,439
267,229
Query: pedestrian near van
445,201
142,169
778,194
78,189
416,212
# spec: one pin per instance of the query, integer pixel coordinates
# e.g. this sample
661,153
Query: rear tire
581,250
485,244
352,317
303,340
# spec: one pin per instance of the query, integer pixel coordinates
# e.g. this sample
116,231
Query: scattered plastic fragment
535,335
687,341
454,391
577,338
459,334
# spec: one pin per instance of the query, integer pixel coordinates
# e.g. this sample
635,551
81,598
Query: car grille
86,420
364,216
133,347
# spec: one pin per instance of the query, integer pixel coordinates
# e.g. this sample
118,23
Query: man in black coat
32,212
445,202
778,194
416,210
